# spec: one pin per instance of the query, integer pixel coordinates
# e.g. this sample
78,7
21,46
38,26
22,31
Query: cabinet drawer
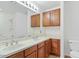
30,50
32,55
17,55
56,47
41,44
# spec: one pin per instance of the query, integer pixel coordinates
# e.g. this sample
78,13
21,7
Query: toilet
74,48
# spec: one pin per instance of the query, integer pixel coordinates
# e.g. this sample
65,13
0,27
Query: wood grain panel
46,19
41,52
35,20
56,47
30,50
32,55
55,17
17,55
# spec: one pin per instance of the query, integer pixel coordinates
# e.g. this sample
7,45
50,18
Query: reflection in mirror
6,25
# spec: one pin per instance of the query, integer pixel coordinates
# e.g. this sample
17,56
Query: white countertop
22,45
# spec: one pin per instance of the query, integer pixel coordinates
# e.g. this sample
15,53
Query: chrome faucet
13,42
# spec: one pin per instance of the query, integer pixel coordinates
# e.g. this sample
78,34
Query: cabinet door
41,52
32,55
50,43
56,47
55,17
58,51
47,48
38,20
17,55
46,19
35,20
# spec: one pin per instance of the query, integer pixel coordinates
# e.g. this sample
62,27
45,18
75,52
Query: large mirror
12,20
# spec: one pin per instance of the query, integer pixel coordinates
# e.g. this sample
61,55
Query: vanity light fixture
30,5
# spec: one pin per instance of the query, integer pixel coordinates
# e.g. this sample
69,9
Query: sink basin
21,45
8,50
12,47
3,47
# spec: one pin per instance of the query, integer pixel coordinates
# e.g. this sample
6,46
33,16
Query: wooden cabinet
35,20
32,55
47,48
17,55
56,47
46,19
46,51
41,44
41,50
51,18
49,45
55,17
30,51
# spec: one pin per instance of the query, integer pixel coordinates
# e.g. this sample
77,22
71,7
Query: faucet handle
14,42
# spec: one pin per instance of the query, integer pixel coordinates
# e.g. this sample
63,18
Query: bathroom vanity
40,50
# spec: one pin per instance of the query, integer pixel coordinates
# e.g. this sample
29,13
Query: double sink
20,45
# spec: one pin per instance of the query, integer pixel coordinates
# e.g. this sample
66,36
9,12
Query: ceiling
9,6
12,7
44,5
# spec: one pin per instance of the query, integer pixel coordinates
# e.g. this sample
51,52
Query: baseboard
55,54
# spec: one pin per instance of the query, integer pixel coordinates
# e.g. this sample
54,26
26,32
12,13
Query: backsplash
54,31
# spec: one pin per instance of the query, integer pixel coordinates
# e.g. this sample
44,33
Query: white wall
31,30
71,22
29,13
